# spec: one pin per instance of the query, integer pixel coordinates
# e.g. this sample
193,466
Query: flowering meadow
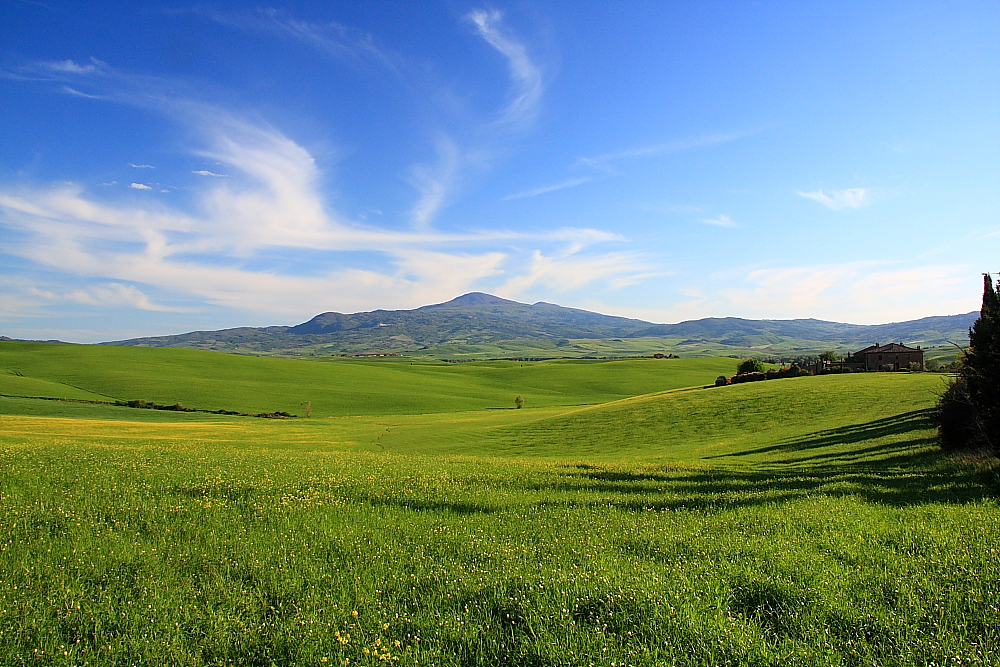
806,521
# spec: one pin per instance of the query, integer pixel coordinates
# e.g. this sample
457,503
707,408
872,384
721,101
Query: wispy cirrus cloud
217,249
141,166
569,271
108,294
72,67
435,182
525,75
206,172
571,183
721,220
331,38
603,160
841,199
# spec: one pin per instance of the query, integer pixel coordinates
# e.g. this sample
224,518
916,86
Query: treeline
754,370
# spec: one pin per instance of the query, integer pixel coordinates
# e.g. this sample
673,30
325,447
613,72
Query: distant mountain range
478,319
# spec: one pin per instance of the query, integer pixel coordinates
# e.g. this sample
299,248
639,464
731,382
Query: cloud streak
720,221
525,76
218,249
838,200
330,38
571,183
603,160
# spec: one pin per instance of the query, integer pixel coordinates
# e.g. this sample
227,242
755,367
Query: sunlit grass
806,521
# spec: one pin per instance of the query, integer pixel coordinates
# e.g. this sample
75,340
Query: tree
519,402
750,366
969,411
829,355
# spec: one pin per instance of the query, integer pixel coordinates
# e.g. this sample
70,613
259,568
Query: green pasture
335,386
628,515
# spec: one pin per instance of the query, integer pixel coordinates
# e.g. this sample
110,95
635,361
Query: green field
626,516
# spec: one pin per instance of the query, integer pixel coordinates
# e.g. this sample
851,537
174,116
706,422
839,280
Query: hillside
484,326
335,387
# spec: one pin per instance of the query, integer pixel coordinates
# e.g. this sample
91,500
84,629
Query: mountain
736,331
479,319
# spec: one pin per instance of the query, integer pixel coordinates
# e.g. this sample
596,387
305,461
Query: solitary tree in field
969,411
750,366
519,402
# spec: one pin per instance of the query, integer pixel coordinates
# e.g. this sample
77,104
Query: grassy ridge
806,521
211,380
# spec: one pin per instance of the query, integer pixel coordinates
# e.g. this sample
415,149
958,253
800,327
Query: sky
168,167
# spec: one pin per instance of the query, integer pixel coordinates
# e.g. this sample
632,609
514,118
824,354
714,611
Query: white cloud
205,172
565,272
525,75
71,67
116,295
720,221
855,292
334,39
215,250
841,199
434,182
573,182
275,203
141,166
601,161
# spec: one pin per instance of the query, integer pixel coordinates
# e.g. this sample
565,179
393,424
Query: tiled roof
889,347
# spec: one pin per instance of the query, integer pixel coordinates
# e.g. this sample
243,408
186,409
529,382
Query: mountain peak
476,299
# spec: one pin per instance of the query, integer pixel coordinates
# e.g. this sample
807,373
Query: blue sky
166,167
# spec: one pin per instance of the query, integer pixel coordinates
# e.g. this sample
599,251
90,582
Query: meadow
628,515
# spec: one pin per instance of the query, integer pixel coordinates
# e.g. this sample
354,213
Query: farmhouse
890,357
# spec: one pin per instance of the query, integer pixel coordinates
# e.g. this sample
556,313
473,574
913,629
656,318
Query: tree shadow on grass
908,470
845,436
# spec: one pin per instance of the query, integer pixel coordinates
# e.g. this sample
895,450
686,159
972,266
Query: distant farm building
890,357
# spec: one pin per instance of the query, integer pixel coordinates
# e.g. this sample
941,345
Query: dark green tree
750,366
969,412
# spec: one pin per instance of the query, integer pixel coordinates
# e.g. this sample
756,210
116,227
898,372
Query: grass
807,521
337,386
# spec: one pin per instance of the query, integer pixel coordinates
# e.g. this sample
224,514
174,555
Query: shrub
750,366
721,381
747,377
957,421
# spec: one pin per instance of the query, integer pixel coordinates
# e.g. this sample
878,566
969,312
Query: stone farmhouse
890,357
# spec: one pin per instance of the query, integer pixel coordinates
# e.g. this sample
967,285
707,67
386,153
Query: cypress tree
969,411
982,365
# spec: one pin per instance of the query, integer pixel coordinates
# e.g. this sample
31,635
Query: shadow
916,420
849,461
422,504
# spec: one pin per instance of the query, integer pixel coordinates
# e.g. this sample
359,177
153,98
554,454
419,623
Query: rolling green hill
337,386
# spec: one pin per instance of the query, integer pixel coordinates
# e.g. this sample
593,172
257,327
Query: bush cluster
756,376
